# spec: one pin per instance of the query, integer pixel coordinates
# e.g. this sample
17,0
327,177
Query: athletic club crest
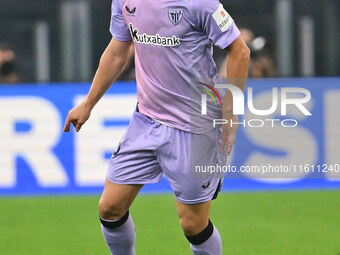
175,15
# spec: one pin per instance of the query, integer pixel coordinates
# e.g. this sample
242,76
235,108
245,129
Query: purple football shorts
150,149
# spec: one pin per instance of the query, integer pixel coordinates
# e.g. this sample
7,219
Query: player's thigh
116,199
189,154
193,217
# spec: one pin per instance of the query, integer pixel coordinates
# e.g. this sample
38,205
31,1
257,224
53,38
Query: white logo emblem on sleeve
222,18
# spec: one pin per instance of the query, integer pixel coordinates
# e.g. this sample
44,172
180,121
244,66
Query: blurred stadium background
50,182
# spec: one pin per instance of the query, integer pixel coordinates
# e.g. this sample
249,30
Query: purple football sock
120,235
208,242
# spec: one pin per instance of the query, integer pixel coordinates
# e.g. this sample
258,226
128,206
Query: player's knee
110,210
192,225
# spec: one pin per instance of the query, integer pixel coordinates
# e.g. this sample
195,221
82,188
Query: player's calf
120,235
193,217
192,224
116,200
203,236
110,210
207,242
116,222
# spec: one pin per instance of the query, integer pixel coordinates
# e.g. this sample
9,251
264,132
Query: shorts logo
175,15
222,18
206,186
153,39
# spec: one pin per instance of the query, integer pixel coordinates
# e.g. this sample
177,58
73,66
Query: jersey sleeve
213,20
118,27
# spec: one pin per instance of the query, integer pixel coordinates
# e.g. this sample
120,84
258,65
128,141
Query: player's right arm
111,65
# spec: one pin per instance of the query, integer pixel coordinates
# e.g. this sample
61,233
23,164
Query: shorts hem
122,182
195,201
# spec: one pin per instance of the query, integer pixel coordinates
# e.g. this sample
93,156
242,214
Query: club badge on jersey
175,15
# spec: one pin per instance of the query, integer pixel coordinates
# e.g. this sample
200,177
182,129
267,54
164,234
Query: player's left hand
229,134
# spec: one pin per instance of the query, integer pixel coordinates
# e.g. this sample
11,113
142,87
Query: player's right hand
77,116
229,132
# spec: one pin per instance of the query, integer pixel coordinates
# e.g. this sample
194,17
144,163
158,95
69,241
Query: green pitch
291,223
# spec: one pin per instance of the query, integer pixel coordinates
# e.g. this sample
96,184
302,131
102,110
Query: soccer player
169,132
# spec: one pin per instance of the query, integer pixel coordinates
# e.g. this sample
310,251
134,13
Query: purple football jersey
173,55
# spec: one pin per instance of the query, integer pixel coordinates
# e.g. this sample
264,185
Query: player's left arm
210,17
237,72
